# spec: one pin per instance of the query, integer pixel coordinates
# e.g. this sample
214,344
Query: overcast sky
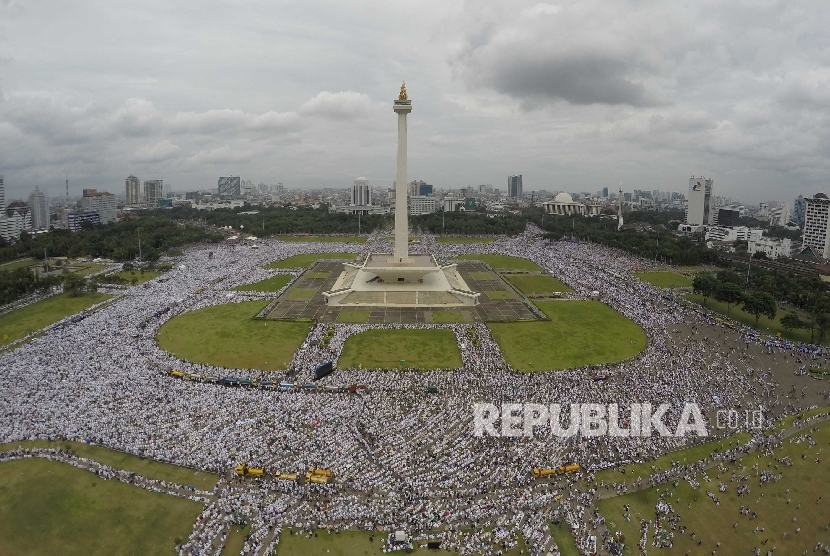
574,95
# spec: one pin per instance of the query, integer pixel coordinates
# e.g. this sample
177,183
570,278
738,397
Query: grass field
765,325
297,293
119,460
564,539
272,284
502,262
465,239
447,317
19,263
302,261
537,284
665,279
48,507
226,335
140,278
500,294
483,276
384,349
578,333
353,317
85,269
323,239
353,543
236,540
797,495
21,322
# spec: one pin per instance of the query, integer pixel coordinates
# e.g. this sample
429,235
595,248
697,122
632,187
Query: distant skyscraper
604,192
361,194
817,225
514,186
698,211
2,196
799,210
101,202
153,191
133,185
230,185
40,209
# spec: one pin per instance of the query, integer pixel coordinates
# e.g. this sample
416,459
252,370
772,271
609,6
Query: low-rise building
736,233
75,220
773,247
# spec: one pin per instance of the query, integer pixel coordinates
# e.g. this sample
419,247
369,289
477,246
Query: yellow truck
176,373
320,479
321,473
559,470
286,476
244,471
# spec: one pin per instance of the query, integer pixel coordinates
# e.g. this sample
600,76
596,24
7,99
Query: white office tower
698,210
817,225
40,209
153,191
361,194
102,202
133,190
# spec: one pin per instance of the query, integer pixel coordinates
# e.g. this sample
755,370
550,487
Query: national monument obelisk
402,107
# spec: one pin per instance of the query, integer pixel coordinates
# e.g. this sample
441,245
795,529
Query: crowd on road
402,458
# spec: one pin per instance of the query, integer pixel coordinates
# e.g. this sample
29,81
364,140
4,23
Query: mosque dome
563,198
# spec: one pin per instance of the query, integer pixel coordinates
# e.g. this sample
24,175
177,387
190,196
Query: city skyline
573,97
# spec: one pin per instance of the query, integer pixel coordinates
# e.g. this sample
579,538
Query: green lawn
502,262
354,543
564,539
323,239
272,284
302,261
85,269
21,322
537,284
384,349
140,278
765,325
500,294
483,276
578,333
447,317
299,294
465,239
20,263
119,460
236,540
665,279
354,317
47,507
228,336
805,485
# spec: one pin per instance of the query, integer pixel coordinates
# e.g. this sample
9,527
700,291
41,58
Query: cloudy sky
574,95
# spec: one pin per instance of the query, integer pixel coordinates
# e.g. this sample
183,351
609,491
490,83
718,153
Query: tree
760,303
705,285
73,284
791,322
730,294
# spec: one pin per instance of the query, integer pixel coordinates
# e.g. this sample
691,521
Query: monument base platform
418,282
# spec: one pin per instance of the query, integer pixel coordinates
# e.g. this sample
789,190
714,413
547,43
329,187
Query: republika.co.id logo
592,420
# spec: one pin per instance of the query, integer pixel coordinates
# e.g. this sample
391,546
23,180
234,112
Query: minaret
402,107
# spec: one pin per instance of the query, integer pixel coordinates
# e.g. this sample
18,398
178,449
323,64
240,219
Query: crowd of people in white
401,458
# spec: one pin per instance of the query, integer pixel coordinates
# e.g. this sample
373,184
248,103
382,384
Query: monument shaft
402,107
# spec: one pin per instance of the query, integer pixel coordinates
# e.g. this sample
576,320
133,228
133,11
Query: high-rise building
230,185
698,210
799,210
817,225
604,192
75,220
15,219
102,202
425,189
2,196
514,186
40,209
361,195
133,186
153,191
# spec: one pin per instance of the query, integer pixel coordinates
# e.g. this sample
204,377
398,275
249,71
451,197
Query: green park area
323,239
765,324
300,294
537,284
228,336
564,539
353,317
302,261
19,263
385,349
47,507
502,262
272,284
790,512
119,460
28,319
578,333
465,239
356,543
499,294
447,317
236,540
665,279
140,277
